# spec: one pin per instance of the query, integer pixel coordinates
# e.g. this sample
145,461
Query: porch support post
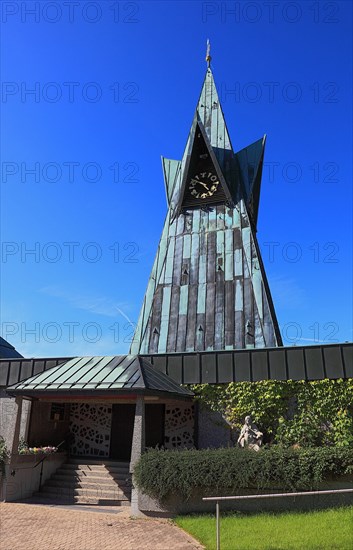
138,438
14,415
138,447
13,446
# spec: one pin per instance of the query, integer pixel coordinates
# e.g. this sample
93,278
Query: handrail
272,495
13,472
41,462
269,495
46,456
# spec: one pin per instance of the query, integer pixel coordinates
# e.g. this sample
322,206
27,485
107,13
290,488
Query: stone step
87,474
115,494
95,468
98,462
121,480
106,484
41,498
88,481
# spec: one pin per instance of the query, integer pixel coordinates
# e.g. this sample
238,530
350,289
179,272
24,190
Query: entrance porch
104,428
106,408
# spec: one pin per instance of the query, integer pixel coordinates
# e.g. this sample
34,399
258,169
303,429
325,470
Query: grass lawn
320,530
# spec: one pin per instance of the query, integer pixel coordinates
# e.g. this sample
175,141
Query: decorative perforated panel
90,424
179,426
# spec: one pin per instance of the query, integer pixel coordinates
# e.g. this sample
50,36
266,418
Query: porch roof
122,374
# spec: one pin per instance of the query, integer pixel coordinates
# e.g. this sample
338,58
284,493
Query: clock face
203,185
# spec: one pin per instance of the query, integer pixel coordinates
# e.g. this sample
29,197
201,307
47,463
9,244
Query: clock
203,182
203,185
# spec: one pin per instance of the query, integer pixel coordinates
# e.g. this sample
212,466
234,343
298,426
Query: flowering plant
25,450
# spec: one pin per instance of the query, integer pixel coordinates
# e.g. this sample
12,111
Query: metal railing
269,495
40,462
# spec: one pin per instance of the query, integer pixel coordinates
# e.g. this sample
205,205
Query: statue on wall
250,436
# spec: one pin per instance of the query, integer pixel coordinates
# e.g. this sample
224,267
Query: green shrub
4,454
22,446
161,473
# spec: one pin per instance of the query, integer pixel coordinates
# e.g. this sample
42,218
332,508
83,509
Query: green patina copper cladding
208,289
99,375
171,169
250,161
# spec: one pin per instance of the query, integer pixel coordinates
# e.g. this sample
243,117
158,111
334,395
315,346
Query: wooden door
123,417
154,423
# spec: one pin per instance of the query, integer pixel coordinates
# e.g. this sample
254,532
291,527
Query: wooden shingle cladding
208,289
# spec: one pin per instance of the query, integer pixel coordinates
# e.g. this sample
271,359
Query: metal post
217,527
40,476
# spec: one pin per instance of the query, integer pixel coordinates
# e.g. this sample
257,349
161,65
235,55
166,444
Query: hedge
4,454
160,473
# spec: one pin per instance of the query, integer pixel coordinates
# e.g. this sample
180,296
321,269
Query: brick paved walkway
30,527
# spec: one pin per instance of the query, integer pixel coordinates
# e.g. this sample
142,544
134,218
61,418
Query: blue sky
93,93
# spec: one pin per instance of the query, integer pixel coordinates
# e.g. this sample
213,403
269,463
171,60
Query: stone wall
8,413
23,478
213,431
143,505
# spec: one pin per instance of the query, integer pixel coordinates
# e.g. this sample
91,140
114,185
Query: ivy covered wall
289,413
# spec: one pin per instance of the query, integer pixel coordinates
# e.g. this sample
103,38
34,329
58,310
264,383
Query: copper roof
101,375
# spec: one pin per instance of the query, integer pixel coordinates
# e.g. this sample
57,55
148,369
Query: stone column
13,420
138,438
138,447
13,444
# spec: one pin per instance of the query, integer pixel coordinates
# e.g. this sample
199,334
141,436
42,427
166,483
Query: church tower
208,289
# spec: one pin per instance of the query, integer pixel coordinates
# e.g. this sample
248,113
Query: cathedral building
207,317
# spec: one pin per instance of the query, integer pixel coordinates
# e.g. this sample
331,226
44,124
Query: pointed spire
183,289
210,112
208,55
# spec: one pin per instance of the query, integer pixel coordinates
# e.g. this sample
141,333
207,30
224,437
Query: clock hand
204,185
